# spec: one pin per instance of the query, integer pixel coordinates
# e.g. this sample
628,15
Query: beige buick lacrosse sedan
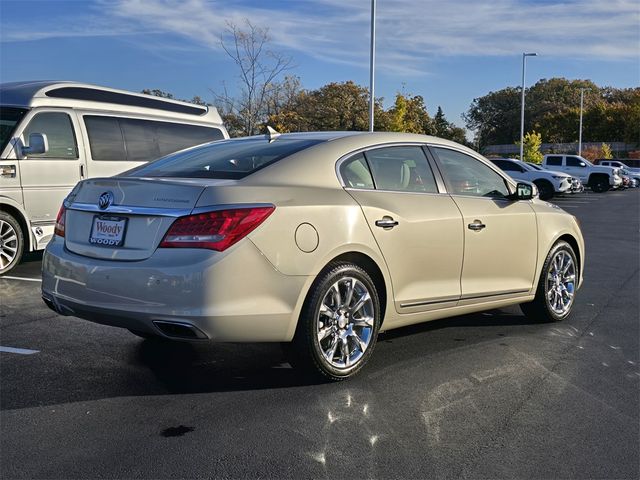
319,240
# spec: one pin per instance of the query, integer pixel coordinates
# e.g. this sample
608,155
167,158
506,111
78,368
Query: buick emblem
105,200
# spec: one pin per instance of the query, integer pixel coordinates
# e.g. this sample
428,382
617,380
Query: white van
54,134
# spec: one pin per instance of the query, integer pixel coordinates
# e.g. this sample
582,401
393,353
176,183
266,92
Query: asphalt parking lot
488,395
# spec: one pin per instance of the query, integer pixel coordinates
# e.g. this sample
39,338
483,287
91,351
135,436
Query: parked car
54,134
547,182
576,184
598,178
634,177
318,239
618,164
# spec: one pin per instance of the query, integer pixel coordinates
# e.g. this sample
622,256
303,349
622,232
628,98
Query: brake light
59,228
215,230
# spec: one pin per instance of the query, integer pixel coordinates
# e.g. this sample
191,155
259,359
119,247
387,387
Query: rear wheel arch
370,266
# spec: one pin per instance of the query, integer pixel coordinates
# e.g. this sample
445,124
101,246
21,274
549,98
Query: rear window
230,159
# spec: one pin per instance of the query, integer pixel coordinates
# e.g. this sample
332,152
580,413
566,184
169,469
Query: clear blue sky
447,51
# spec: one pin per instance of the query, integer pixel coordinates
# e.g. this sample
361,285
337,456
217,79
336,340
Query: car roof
29,94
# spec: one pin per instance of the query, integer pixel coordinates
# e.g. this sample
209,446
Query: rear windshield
227,159
9,118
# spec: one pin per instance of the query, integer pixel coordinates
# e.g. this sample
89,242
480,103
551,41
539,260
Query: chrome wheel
345,323
560,285
8,244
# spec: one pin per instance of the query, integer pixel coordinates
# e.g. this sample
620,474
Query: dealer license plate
108,231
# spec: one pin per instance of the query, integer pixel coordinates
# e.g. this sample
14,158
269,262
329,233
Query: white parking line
7,277
20,351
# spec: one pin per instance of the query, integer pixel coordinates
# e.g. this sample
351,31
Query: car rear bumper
232,296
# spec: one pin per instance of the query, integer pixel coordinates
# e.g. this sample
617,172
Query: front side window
58,128
555,160
465,175
9,118
402,168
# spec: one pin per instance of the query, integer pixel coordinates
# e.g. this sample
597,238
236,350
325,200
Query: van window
555,160
9,118
130,139
58,128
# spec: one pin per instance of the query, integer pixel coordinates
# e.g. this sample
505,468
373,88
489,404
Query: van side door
47,178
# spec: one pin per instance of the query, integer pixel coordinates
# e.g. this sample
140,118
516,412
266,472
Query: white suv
598,178
548,183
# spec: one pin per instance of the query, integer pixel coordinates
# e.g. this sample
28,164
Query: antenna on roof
272,134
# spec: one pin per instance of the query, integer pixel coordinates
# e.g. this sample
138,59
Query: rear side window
403,169
557,161
58,128
355,173
465,175
230,159
118,139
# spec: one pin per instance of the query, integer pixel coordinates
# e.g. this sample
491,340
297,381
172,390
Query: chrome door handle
386,222
8,171
476,226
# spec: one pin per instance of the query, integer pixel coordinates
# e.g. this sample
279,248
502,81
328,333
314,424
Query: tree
495,117
259,69
335,106
606,151
553,110
445,129
531,147
409,114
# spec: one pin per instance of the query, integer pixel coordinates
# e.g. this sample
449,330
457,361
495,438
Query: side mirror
524,191
38,144
582,164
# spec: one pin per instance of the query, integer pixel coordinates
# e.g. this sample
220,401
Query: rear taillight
214,230
59,228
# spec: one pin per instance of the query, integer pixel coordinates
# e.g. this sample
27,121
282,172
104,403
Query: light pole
372,64
524,56
580,130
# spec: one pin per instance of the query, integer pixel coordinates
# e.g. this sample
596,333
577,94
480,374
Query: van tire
11,243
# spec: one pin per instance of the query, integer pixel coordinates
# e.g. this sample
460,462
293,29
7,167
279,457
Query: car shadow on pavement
197,368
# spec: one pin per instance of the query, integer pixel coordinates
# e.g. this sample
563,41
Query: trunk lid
126,218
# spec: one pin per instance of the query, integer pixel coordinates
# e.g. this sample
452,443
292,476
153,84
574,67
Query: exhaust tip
180,330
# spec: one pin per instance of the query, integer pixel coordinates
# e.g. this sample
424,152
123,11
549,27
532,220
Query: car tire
11,243
599,185
545,189
338,326
555,294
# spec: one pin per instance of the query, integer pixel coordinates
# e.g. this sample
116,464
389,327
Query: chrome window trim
349,189
347,156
